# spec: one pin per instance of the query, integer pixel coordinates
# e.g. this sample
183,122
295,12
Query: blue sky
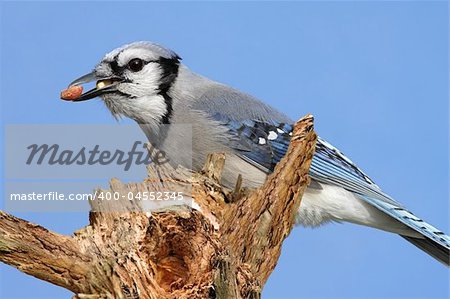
374,74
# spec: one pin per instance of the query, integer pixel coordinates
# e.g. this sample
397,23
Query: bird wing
330,166
261,143
264,144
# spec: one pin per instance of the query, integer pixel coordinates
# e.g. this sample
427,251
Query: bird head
134,81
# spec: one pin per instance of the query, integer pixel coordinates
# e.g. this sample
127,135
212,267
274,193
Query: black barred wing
331,166
264,144
261,143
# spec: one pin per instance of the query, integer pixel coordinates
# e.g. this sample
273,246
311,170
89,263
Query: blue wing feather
264,144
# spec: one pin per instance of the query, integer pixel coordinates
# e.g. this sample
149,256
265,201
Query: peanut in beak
72,93
103,83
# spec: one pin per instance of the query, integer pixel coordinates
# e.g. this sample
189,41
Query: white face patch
261,141
146,109
140,99
272,135
143,83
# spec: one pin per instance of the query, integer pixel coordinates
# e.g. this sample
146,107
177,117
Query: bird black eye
136,64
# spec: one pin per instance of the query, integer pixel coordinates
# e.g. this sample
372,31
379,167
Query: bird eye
136,64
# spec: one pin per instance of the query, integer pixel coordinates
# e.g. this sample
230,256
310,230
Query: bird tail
436,250
423,235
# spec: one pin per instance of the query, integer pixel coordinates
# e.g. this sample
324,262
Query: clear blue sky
374,74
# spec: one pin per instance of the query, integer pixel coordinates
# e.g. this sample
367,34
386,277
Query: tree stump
225,246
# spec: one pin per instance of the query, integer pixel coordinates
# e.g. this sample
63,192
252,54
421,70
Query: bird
149,84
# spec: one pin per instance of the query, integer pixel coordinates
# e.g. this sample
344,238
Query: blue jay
147,83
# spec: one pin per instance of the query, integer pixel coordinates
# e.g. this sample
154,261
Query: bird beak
104,85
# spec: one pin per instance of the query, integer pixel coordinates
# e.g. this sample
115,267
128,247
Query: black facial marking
169,68
165,119
132,65
117,70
